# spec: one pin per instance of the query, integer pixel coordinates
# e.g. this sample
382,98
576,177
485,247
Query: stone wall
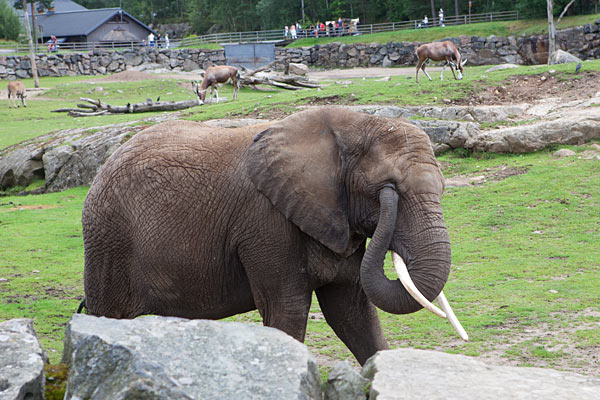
583,42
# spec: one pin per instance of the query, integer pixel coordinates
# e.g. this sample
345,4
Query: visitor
286,32
441,16
151,39
167,43
425,22
293,32
158,43
330,28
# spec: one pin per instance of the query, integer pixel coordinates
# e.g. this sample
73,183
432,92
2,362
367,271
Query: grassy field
526,260
482,29
37,120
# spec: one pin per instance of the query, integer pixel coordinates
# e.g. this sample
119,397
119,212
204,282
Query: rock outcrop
173,358
21,361
423,374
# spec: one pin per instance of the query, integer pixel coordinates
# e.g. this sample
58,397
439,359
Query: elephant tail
81,306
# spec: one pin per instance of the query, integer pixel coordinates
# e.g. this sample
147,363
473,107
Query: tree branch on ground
98,107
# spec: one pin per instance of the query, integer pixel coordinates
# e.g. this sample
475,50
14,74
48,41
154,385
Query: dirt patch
489,175
532,88
20,207
129,76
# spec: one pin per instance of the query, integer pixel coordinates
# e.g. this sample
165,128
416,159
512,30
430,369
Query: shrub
10,24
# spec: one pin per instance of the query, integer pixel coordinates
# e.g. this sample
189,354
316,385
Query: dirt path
375,72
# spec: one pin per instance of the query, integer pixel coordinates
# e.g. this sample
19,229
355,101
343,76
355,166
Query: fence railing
274,35
278,34
80,46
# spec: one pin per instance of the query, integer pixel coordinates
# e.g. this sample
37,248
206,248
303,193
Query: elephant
193,221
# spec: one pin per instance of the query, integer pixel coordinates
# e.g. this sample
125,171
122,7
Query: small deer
214,75
16,89
440,51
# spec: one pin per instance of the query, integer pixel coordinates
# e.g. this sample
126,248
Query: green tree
10,25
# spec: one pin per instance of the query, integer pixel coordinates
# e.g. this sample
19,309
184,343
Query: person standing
425,22
286,32
441,16
293,32
151,39
167,43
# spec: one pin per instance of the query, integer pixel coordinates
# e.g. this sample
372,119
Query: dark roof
78,23
59,6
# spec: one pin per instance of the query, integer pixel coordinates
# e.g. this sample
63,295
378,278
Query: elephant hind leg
109,287
353,318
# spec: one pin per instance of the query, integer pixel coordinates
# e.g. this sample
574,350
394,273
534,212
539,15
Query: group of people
333,28
425,22
160,40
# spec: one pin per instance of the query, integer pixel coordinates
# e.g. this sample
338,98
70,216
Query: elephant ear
300,172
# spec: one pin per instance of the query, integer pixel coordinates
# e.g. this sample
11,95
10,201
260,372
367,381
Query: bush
10,24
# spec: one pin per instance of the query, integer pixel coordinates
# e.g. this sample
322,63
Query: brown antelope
440,51
16,89
214,75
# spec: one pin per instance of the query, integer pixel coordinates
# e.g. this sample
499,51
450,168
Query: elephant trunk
426,250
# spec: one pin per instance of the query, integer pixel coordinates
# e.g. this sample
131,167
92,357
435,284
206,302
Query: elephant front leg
283,303
353,318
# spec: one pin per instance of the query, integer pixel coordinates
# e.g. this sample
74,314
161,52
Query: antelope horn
464,62
410,287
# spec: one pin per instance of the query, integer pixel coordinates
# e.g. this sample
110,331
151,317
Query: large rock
21,361
562,57
173,358
576,128
423,374
344,383
298,69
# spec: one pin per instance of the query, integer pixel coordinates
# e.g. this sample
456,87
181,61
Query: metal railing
274,35
80,46
278,34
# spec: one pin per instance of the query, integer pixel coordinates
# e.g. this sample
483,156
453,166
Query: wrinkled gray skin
199,222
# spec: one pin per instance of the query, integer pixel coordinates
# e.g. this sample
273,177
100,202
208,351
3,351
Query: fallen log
98,107
264,76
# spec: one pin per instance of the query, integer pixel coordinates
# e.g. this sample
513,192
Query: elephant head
338,174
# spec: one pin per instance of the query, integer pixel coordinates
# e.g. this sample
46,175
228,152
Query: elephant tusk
443,302
410,287
418,296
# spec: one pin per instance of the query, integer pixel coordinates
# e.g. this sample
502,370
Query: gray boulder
344,383
562,57
298,69
21,361
576,128
425,374
173,358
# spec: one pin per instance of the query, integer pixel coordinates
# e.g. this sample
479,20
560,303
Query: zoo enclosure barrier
274,35
277,34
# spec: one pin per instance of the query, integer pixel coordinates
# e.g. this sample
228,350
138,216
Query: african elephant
193,221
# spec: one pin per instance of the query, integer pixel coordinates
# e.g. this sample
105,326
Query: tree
552,26
40,4
10,25
36,81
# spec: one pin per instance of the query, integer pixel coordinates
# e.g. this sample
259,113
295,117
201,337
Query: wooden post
36,81
551,30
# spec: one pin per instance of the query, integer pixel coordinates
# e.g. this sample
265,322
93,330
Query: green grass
482,29
36,120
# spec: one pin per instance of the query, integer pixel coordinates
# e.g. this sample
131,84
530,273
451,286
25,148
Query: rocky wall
583,42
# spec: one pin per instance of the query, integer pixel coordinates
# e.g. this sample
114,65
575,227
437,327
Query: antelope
16,89
214,75
440,51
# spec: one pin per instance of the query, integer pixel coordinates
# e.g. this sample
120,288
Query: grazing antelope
16,89
440,51
214,75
